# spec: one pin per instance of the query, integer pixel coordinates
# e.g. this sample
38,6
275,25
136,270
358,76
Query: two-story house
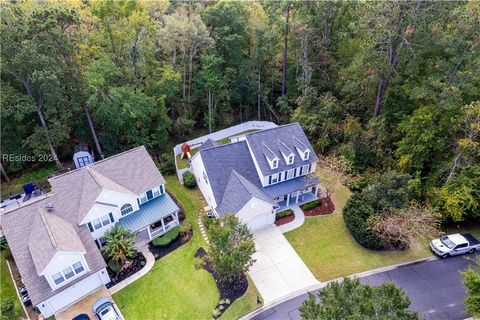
260,174
55,239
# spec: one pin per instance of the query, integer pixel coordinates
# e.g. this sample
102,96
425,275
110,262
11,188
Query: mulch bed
134,265
159,252
230,291
181,212
285,220
327,206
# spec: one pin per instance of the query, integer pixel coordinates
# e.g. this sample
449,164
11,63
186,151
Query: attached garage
72,294
257,222
257,214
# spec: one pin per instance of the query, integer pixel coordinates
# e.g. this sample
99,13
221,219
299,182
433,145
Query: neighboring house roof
238,192
51,235
130,172
31,232
221,160
281,138
208,144
133,169
19,226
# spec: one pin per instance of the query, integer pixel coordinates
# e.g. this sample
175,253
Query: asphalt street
435,289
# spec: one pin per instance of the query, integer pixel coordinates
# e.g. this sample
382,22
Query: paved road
435,289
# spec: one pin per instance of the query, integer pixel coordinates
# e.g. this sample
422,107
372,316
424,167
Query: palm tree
120,244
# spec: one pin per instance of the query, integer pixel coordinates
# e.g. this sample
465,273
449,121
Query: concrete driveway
435,289
278,270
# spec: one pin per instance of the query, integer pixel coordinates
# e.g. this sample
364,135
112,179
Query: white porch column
316,191
163,225
288,199
298,194
175,215
149,233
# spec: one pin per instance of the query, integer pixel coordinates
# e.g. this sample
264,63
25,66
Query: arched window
126,209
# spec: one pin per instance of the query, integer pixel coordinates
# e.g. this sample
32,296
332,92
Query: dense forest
379,86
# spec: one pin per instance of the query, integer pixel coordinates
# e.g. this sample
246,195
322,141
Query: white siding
199,170
73,293
256,214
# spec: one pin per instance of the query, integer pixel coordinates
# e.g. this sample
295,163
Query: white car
104,310
454,244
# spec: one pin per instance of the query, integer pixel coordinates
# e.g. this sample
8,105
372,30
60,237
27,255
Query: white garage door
75,292
257,222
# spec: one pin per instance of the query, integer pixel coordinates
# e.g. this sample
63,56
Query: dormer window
68,273
275,164
291,158
306,154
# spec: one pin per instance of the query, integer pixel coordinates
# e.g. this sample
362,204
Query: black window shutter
111,217
90,227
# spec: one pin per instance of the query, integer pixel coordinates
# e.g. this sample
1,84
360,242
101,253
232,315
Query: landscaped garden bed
229,292
131,267
284,217
171,240
318,207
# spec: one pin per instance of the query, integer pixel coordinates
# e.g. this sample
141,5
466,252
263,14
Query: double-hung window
291,158
305,169
78,267
58,278
156,192
68,273
274,178
291,173
100,222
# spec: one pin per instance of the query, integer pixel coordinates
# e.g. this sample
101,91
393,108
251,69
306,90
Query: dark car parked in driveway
82,316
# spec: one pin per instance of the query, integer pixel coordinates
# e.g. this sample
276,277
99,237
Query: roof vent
49,206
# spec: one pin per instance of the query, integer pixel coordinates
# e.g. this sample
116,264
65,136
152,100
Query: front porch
297,199
155,218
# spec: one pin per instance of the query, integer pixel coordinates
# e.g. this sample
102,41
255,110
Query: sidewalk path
134,277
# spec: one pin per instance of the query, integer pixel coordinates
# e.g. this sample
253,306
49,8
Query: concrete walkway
202,228
134,277
296,223
278,270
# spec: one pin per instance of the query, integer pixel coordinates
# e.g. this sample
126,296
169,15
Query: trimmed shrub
282,214
7,309
311,205
167,238
357,213
3,243
185,228
114,265
189,180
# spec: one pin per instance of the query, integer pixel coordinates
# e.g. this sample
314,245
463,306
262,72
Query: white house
258,174
55,240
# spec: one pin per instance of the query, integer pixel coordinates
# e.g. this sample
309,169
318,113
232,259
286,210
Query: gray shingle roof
291,135
220,161
238,192
74,193
50,235
18,226
209,144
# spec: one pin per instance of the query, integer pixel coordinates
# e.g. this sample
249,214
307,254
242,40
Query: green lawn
328,249
183,163
7,289
174,289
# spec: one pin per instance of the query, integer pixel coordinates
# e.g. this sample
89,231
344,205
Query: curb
321,285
